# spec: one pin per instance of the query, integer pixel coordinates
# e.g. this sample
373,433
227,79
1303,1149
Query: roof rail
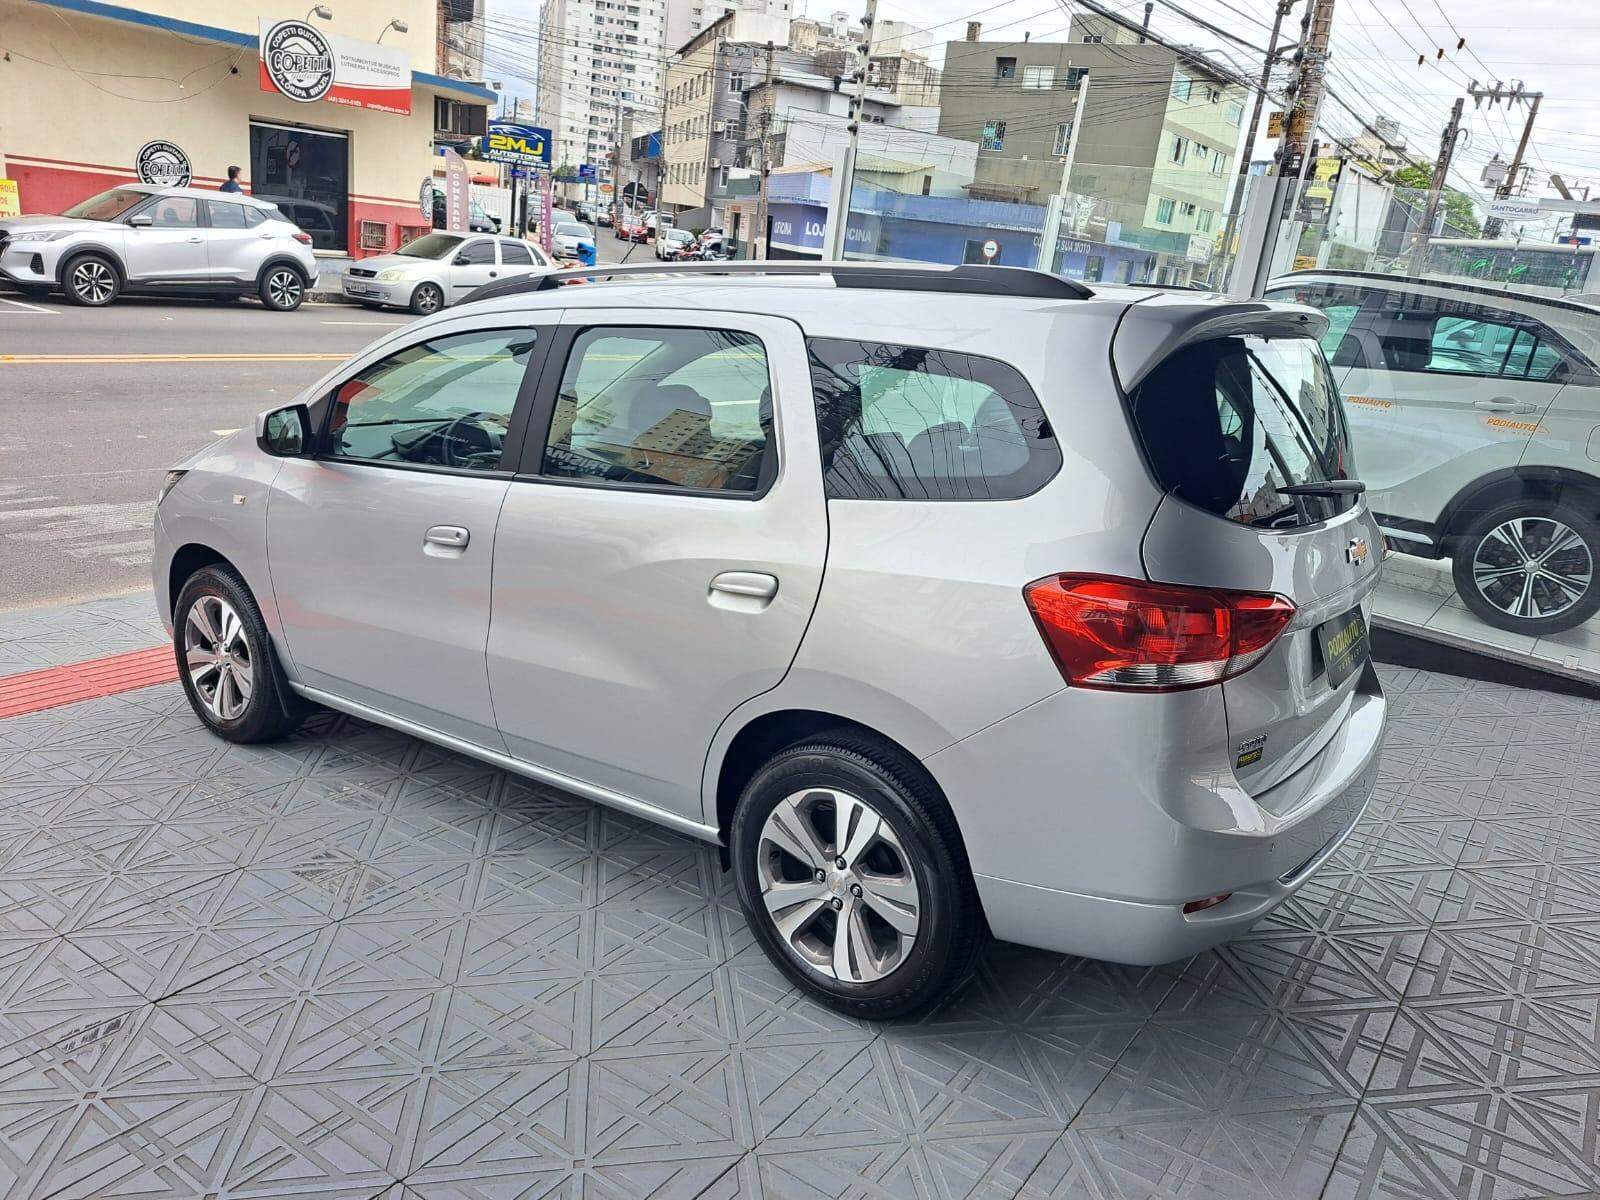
970,279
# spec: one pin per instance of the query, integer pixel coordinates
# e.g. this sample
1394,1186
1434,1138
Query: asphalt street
96,404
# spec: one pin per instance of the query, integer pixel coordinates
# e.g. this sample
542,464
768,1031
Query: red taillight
1129,635
300,235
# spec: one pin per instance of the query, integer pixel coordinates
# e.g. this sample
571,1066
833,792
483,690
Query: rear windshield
1224,422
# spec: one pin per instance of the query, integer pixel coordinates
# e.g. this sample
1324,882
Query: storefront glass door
306,173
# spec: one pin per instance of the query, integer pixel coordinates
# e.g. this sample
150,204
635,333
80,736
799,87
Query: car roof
155,189
1406,282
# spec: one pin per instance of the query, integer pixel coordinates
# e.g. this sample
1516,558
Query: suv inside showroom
1475,418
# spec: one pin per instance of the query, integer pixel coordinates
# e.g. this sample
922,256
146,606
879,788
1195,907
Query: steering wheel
465,438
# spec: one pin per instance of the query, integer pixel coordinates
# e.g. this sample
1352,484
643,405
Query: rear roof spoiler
1152,330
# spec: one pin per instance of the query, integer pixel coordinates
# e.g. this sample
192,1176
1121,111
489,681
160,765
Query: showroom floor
353,965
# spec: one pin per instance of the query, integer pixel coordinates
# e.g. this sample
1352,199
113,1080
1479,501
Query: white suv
1475,414
160,240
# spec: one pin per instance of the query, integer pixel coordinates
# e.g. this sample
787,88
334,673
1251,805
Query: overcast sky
1553,46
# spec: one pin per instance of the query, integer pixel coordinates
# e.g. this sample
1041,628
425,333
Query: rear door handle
447,535
1504,404
195,239
754,584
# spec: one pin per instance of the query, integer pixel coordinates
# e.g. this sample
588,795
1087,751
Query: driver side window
446,402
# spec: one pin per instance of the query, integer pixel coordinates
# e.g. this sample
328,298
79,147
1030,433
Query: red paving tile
52,687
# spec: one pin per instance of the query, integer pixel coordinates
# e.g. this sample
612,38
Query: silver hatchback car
948,602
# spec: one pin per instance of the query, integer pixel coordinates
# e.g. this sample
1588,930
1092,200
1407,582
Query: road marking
33,691
36,359
223,432
31,308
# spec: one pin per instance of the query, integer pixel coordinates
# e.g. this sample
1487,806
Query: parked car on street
569,238
439,269
1473,410
935,638
140,238
670,243
632,229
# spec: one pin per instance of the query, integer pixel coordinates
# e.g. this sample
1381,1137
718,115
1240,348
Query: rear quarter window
913,423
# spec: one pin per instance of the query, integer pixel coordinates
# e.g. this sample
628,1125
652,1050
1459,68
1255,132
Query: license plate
356,289
1344,645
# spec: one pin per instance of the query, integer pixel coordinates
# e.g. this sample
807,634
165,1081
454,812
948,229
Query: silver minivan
948,601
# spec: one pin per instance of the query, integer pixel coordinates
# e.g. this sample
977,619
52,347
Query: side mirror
141,220
284,432
460,260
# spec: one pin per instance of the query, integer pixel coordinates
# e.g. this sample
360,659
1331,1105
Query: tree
1458,209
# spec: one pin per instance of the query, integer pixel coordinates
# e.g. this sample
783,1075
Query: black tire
426,298
282,288
90,280
271,710
1478,550
950,932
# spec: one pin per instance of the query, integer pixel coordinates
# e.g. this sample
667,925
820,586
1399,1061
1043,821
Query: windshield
107,206
572,231
1225,422
431,245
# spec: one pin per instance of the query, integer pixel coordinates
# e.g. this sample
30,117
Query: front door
172,248
381,545
659,559
473,265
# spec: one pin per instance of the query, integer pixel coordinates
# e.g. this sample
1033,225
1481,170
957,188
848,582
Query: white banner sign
1515,210
301,62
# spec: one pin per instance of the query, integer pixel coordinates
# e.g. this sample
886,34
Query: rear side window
1224,422
225,215
515,253
909,423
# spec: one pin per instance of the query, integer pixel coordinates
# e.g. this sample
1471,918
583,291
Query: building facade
687,18
90,88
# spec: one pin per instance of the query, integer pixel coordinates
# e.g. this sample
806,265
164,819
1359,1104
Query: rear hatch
1236,409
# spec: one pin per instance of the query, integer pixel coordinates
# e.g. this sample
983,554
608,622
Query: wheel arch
99,248
282,260
186,560
1501,487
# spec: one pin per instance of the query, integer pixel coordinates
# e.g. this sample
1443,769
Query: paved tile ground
353,965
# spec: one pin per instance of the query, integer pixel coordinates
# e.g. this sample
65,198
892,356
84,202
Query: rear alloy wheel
850,872
283,289
428,298
1530,567
92,281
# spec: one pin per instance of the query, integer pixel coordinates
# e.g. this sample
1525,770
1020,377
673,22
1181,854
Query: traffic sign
991,250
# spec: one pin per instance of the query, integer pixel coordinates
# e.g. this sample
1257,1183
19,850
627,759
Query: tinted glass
253,216
430,245
1225,421
478,252
440,403
307,174
515,253
1464,344
670,407
902,422
175,212
225,215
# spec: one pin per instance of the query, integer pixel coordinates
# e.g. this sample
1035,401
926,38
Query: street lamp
397,25
320,10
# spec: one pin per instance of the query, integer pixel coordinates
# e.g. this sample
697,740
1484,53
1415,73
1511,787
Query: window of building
1038,79
927,184
1213,96
902,422
1164,210
306,173
1179,151
1235,113
994,136
1094,268
674,408
1063,139
1219,164
735,82
1204,220
446,402
1182,86
1186,209
1005,68
1075,76
1093,39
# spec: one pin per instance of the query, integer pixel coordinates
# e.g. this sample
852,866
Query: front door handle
754,584
452,536
1503,404
194,239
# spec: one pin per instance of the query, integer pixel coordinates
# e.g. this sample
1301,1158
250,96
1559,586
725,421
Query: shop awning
232,37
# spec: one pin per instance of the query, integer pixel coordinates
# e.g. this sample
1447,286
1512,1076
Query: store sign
301,62
1274,125
457,193
1199,250
163,163
517,144
1515,210
425,196
10,202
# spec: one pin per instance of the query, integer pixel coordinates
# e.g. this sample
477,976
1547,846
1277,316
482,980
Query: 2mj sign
519,145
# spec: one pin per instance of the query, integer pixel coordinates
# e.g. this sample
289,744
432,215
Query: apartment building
1161,127
599,71
686,18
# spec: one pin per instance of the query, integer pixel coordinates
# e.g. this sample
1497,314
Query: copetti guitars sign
163,163
301,62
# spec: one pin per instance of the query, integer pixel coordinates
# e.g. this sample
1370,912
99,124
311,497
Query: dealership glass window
306,173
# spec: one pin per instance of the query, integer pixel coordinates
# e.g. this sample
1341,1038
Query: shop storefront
333,126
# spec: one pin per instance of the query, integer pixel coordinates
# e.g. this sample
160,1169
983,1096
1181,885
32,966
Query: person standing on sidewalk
232,182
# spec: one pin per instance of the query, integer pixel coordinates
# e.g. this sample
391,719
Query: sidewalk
355,965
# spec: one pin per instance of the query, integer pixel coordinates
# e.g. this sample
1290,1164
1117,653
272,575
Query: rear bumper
1104,871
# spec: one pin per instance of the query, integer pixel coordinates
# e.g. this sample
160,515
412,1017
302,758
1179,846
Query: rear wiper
1333,487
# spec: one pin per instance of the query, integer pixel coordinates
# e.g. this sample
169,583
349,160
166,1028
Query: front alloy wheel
91,281
217,658
835,880
1530,568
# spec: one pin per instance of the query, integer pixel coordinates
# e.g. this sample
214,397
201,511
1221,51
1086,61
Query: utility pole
616,166
1243,173
1510,95
845,186
1441,170
1051,234
771,99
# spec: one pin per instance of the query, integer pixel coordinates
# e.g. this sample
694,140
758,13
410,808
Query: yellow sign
1275,125
10,203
